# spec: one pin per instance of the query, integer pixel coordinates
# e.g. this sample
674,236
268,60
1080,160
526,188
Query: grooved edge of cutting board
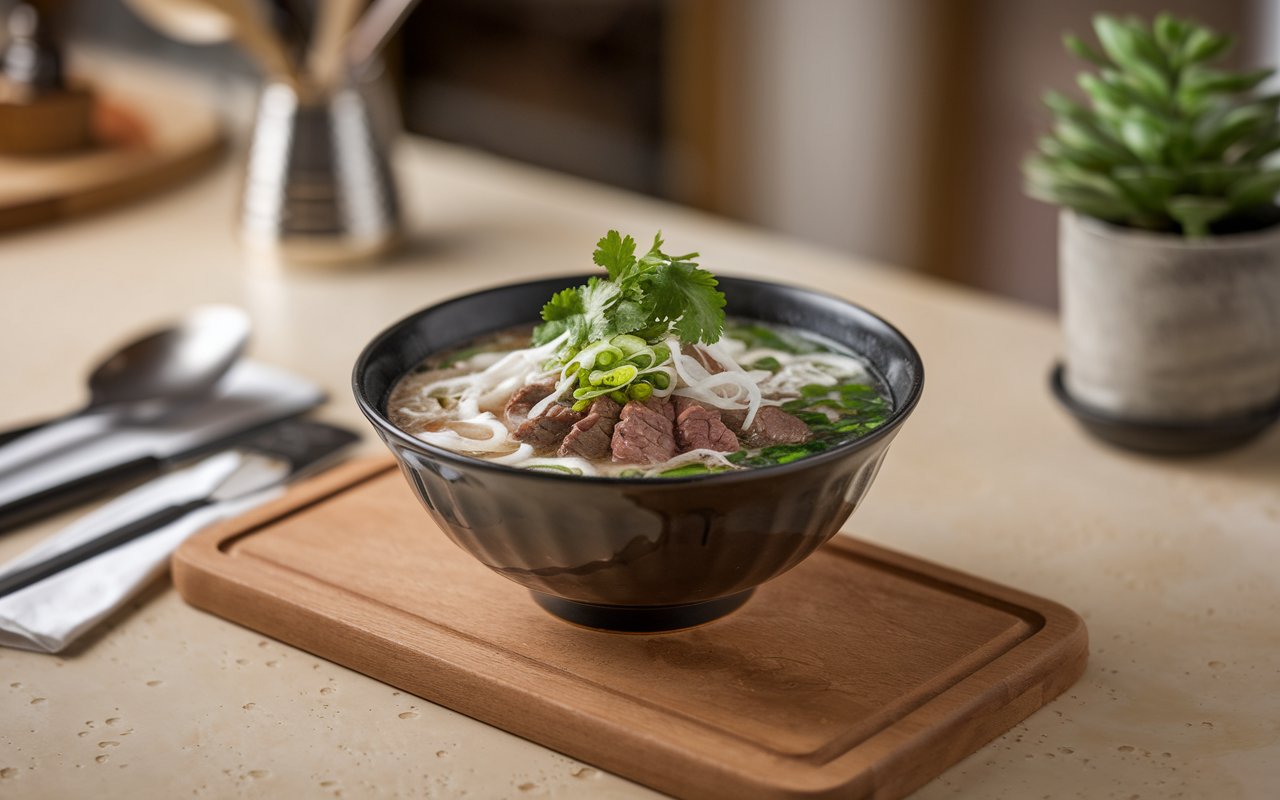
860,673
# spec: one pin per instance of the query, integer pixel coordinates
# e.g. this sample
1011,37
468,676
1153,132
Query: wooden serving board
860,673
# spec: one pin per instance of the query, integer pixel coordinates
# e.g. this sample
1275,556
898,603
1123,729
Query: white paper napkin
49,615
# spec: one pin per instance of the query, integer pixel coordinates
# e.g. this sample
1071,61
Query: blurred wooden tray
150,136
860,673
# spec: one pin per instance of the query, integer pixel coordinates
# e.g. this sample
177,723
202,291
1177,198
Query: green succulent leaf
1197,79
1254,190
1162,139
1195,214
1170,33
1213,179
1145,138
1234,125
1079,48
1203,45
1147,186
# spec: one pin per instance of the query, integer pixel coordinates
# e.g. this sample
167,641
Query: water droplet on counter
108,744
326,690
8,772
327,784
249,706
272,663
408,714
584,773
1125,748
112,720
1216,665
154,683
527,787
15,685
259,773
442,753
102,759
35,701
242,661
1206,724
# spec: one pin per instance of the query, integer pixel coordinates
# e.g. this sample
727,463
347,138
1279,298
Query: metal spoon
146,377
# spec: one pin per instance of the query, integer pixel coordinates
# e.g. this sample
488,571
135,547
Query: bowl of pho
644,445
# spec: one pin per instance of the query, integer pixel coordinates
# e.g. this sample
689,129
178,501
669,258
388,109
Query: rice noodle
701,385
701,456
545,403
451,437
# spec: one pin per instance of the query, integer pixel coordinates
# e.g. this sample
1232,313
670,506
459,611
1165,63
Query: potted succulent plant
1169,242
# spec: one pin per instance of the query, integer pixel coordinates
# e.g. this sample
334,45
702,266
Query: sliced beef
592,436
699,427
662,405
772,426
645,433
549,427
524,399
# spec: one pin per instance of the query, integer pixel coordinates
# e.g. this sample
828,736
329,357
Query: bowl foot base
640,619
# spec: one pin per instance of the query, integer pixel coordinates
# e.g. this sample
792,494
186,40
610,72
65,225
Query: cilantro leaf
628,316
617,254
598,297
651,296
548,331
687,296
562,305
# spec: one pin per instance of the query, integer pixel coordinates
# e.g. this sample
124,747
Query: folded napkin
251,394
49,615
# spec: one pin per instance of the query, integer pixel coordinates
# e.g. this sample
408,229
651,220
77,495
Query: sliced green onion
618,397
660,379
581,405
661,353
619,376
629,344
605,358
639,391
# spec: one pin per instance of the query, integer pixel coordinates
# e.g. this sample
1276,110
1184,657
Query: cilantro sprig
650,297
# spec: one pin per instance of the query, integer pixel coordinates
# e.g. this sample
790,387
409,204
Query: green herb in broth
757,336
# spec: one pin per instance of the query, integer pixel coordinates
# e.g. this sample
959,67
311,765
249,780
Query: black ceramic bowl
638,554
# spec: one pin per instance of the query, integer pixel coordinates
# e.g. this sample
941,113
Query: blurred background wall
891,129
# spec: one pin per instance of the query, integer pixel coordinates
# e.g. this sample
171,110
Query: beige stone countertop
1171,562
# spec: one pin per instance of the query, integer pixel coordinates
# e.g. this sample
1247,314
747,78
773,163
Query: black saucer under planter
1163,438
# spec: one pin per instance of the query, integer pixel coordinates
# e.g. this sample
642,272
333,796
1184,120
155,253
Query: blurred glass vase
318,186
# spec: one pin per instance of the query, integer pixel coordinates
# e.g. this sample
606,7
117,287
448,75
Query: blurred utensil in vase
334,18
376,27
162,369
215,21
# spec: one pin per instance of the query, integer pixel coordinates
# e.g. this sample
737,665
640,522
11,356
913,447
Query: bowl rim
379,420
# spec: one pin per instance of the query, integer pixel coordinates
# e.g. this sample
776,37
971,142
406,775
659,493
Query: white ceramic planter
1162,329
